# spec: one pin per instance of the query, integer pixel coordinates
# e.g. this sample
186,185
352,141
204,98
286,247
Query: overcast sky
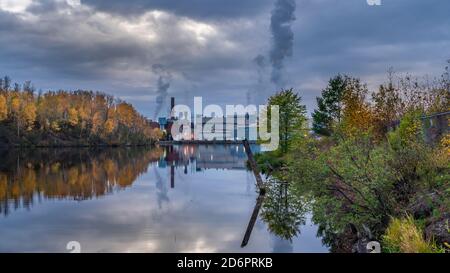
223,50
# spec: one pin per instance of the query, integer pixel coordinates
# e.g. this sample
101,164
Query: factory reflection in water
196,158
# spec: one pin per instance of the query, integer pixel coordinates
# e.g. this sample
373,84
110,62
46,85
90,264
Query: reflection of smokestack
172,104
172,176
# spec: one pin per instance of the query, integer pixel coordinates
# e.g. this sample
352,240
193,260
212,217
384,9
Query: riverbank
363,190
374,168
66,138
62,146
203,142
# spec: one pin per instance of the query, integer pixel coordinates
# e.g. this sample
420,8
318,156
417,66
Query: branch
347,183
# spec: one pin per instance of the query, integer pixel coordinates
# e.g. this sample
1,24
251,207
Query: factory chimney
172,104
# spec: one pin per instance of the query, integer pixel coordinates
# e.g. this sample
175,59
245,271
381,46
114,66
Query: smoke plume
260,87
260,62
283,38
163,85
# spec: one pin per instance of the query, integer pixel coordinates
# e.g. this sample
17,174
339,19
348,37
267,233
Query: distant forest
69,118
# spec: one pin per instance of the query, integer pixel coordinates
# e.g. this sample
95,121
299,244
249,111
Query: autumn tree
97,122
357,113
28,115
125,113
73,117
15,110
3,108
110,126
125,116
387,106
343,106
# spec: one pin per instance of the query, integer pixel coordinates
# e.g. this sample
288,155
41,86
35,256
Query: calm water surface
171,199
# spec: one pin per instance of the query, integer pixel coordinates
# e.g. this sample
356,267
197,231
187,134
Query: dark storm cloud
210,46
203,9
64,45
83,44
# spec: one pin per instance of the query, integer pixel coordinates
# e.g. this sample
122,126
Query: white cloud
74,3
14,6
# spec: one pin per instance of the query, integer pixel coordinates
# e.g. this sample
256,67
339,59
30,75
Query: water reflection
166,199
284,212
27,176
201,157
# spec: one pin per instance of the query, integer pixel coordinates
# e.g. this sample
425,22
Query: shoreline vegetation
365,167
69,119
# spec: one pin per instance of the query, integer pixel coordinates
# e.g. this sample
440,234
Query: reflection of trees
76,174
283,211
337,241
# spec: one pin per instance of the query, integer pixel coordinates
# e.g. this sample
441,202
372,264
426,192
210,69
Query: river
189,198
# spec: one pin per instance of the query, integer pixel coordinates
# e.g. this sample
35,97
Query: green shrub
269,161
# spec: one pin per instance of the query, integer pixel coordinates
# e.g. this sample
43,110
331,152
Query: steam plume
283,37
164,78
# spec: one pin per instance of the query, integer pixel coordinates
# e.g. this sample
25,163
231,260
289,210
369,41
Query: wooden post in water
262,192
254,167
252,221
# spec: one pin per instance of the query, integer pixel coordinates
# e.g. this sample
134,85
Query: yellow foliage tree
73,116
29,115
357,114
97,122
125,113
110,126
15,105
3,108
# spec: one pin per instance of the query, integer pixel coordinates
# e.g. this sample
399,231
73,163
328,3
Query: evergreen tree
329,106
292,116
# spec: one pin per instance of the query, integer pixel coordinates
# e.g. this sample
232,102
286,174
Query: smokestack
172,105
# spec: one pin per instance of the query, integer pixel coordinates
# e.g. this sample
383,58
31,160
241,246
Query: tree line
64,117
345,103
